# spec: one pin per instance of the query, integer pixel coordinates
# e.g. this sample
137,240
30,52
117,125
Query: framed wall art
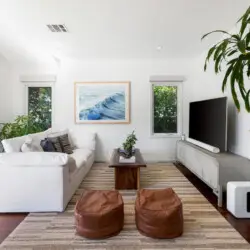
102,102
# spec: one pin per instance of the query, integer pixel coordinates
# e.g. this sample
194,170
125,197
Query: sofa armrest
34,158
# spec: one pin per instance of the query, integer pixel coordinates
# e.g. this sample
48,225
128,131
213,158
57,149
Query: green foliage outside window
22,125
165,109
38,119
40,106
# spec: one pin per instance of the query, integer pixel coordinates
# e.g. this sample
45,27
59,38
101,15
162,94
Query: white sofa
42,181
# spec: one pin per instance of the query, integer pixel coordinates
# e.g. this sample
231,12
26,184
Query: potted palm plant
234,52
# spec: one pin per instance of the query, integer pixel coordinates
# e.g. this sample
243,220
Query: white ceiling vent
57,27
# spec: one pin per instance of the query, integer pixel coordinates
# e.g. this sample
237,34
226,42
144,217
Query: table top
139,162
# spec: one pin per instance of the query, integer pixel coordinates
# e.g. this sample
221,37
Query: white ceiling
113,29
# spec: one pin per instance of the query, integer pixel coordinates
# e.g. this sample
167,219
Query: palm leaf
209,54
229,70
233,61
221,48
217,63
240,79
236,37
234,94
237,45
232,52
243,25
248,70
241,46
247,102
215,31
247,13
244,57
247,39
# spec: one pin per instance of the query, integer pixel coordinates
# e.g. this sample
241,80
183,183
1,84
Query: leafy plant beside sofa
234,51
22,125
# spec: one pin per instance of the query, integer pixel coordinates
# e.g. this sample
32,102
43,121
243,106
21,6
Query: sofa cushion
78,137
47,145
56,144
15,144
83,139
41,135
60,132
72,165
34,159
64,139
80,156
65,144
31,145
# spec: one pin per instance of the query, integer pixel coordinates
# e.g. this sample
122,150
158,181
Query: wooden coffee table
127,175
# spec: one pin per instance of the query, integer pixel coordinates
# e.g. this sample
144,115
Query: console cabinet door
188,156
210,172
201,164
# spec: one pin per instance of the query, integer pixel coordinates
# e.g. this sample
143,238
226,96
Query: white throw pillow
15,144
31,145
41,135
56,133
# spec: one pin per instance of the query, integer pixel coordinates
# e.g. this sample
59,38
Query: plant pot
126,153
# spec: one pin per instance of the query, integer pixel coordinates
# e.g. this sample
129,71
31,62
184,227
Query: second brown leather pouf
99,214
158,213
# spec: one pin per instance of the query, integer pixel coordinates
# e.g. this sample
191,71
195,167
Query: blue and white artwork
102,102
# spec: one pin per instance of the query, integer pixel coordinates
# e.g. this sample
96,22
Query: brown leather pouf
99,214
158,213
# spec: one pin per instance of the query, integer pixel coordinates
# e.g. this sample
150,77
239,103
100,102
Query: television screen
208,122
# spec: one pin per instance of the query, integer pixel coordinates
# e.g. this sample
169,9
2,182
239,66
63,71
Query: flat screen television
208,122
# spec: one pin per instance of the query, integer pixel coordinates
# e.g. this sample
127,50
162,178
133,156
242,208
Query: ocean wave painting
102,102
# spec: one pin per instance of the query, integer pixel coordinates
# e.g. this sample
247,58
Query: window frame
37,85
179,109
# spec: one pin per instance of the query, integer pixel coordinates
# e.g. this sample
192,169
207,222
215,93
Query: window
166,117
39,106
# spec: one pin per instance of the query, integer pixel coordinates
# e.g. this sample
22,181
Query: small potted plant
128,146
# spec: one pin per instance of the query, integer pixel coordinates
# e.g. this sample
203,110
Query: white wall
110,136
205,85
5,91
18,88
199,85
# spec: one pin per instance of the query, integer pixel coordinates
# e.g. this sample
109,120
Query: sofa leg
220,197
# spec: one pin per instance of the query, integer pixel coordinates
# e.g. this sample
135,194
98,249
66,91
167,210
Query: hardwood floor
241,225
8,222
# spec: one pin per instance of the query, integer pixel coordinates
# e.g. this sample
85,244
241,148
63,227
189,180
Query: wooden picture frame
102,102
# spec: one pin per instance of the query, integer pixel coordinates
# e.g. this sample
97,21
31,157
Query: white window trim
179,110
41,84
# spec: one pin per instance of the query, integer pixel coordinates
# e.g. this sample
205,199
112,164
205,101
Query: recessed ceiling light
159,47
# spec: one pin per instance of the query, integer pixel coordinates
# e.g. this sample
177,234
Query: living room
62,63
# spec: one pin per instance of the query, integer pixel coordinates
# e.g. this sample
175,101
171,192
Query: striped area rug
204,227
